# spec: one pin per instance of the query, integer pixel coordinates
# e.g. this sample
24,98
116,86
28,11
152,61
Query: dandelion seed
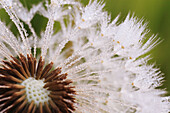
89,65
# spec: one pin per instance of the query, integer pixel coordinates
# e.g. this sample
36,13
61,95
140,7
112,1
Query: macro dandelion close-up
82,62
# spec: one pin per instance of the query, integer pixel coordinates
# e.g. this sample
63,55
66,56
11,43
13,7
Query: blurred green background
155,12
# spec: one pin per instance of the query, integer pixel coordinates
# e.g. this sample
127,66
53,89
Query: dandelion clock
89,65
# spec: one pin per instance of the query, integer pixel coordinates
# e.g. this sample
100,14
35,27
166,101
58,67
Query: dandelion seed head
82,61
37,87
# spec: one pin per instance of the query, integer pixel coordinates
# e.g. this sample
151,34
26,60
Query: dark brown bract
13,94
